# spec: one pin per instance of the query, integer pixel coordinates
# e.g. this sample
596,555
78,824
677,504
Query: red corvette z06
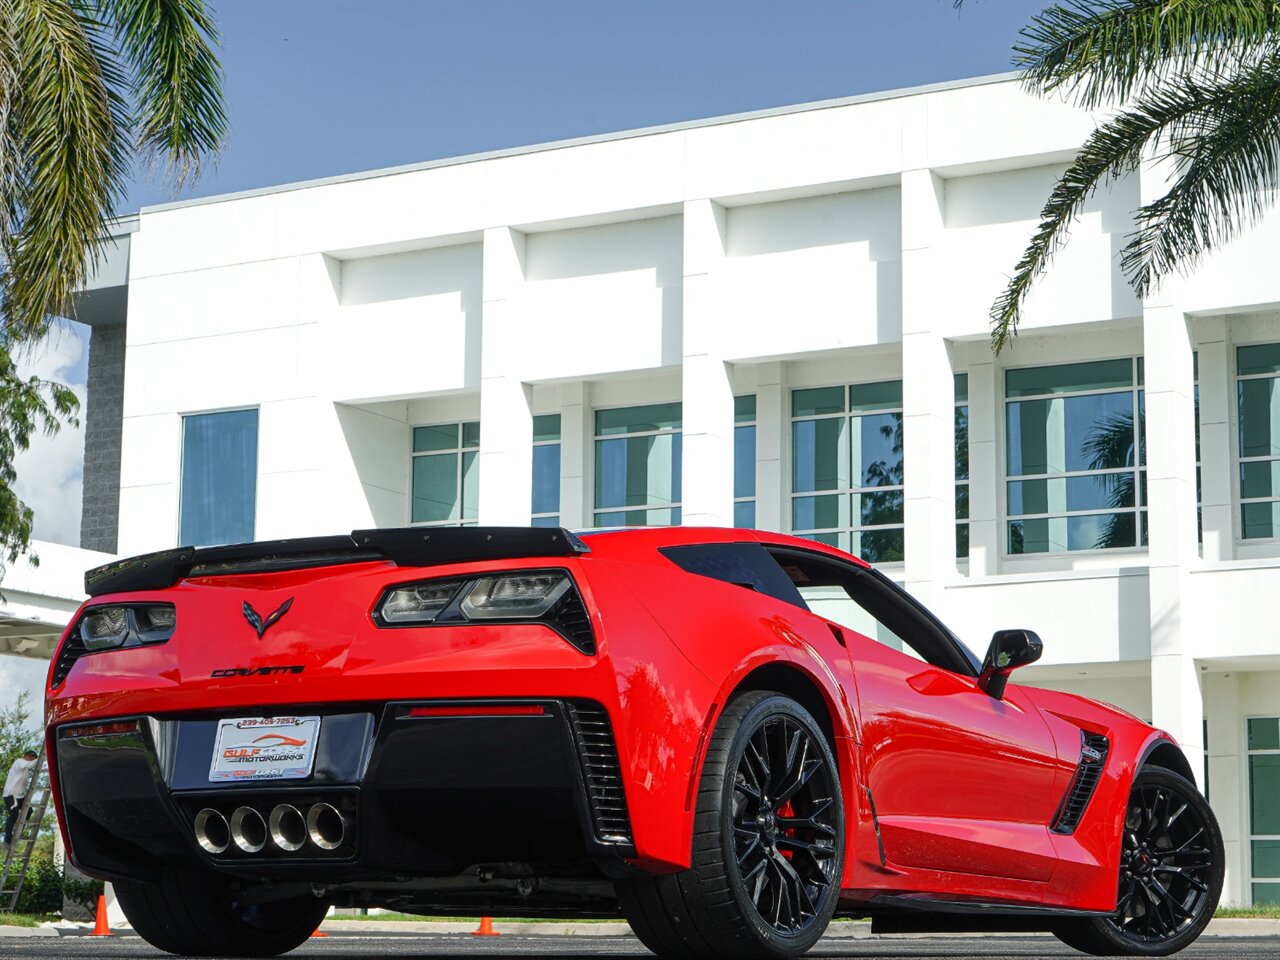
727,736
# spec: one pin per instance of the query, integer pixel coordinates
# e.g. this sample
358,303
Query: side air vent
1093,757
572,622
601,771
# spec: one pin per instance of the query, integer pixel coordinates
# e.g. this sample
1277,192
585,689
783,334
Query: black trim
1094,748
404,546
745,564
601,772
875,822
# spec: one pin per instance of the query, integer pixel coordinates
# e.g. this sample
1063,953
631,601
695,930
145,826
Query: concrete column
576,452
1217,466
707,389
1227,778
773,434
928,397
506,413
986,408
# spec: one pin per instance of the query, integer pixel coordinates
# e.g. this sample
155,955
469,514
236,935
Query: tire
1171,872
768,848
194,913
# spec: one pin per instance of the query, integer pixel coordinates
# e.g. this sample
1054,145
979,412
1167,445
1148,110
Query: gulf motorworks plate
264,748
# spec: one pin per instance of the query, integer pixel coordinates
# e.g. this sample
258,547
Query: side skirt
914,914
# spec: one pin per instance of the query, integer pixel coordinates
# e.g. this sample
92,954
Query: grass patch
25,919
1249,913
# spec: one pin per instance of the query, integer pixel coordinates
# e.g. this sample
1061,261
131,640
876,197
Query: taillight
114,626
548,597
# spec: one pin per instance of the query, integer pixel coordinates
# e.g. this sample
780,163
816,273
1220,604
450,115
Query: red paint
964,786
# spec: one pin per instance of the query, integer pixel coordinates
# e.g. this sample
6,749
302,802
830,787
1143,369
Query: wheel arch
1167,755
789,679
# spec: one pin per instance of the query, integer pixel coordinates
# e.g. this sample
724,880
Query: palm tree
87,87
1196,82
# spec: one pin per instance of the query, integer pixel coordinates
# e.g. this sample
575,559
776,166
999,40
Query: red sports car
728,736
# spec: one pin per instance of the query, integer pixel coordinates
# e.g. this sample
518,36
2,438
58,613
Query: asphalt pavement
374,946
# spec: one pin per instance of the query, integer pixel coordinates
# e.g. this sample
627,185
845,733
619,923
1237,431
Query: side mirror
1009,649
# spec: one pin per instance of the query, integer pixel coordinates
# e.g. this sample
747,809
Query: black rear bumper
423,795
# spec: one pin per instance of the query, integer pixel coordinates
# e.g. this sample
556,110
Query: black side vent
1093,757
71,651
601,772
571,620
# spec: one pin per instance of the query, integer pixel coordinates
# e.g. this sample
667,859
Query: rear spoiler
403,546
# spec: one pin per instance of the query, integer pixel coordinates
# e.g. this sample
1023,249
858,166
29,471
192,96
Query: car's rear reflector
480,710
85,731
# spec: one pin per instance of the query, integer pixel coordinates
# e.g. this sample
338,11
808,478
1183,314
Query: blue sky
322,87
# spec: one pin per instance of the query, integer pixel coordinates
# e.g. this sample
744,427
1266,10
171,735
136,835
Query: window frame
1136,390
1249,835
845,454
753,423
182,460
1237,481
459,472
676,507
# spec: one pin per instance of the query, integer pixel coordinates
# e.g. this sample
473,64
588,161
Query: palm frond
71,163
1112,151
8,146
177,79
1228,166
1105,51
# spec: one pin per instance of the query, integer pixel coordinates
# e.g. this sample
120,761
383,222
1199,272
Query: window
546,471
1258,399
446,474
744,461
1264,808
847,469
1075,457
638,466
962,465
219,478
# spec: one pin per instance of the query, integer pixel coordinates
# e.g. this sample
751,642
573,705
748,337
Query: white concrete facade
829,244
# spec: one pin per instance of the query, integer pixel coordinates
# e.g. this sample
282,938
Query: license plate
264,748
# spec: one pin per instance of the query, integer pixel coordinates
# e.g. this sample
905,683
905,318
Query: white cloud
51,472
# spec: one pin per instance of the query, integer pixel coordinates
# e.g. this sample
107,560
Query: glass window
847,468
446,474
546,471
1264,808
1258,400
744,461
637,481
219,478
1075,457
962,465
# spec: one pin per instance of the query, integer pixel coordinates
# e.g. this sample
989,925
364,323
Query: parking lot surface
444,946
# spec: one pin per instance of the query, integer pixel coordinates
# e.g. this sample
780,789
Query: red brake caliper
786,810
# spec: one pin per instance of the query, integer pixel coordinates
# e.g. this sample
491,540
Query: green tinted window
471,434
744,408
442,436
1264,794
1266,894
869,397
815,403
435,488
962,387
620,420
1266,858
1069,378
1259,358
546,427
1264,734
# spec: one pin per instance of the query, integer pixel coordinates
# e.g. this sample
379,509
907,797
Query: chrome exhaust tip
212,832
325,826
248,829
288,828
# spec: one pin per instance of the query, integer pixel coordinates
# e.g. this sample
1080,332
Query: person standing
15,791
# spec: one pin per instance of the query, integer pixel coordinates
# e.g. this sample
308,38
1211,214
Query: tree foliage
86,88
1194,83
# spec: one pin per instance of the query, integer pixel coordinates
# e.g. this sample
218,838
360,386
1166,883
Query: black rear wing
403,546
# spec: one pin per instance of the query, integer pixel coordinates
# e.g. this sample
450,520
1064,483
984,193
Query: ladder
25,833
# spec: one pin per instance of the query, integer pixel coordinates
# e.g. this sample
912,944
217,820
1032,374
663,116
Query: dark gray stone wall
104,410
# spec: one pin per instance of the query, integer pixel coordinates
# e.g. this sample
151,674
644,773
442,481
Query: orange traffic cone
318,933
486,928
100,927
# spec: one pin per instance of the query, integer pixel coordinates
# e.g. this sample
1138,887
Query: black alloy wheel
768,843
1171,869
784,823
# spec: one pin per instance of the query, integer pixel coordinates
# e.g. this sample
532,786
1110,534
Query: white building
778,317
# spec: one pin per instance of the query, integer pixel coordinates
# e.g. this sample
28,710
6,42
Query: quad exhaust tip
325,826
248,829
212,832
288,828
